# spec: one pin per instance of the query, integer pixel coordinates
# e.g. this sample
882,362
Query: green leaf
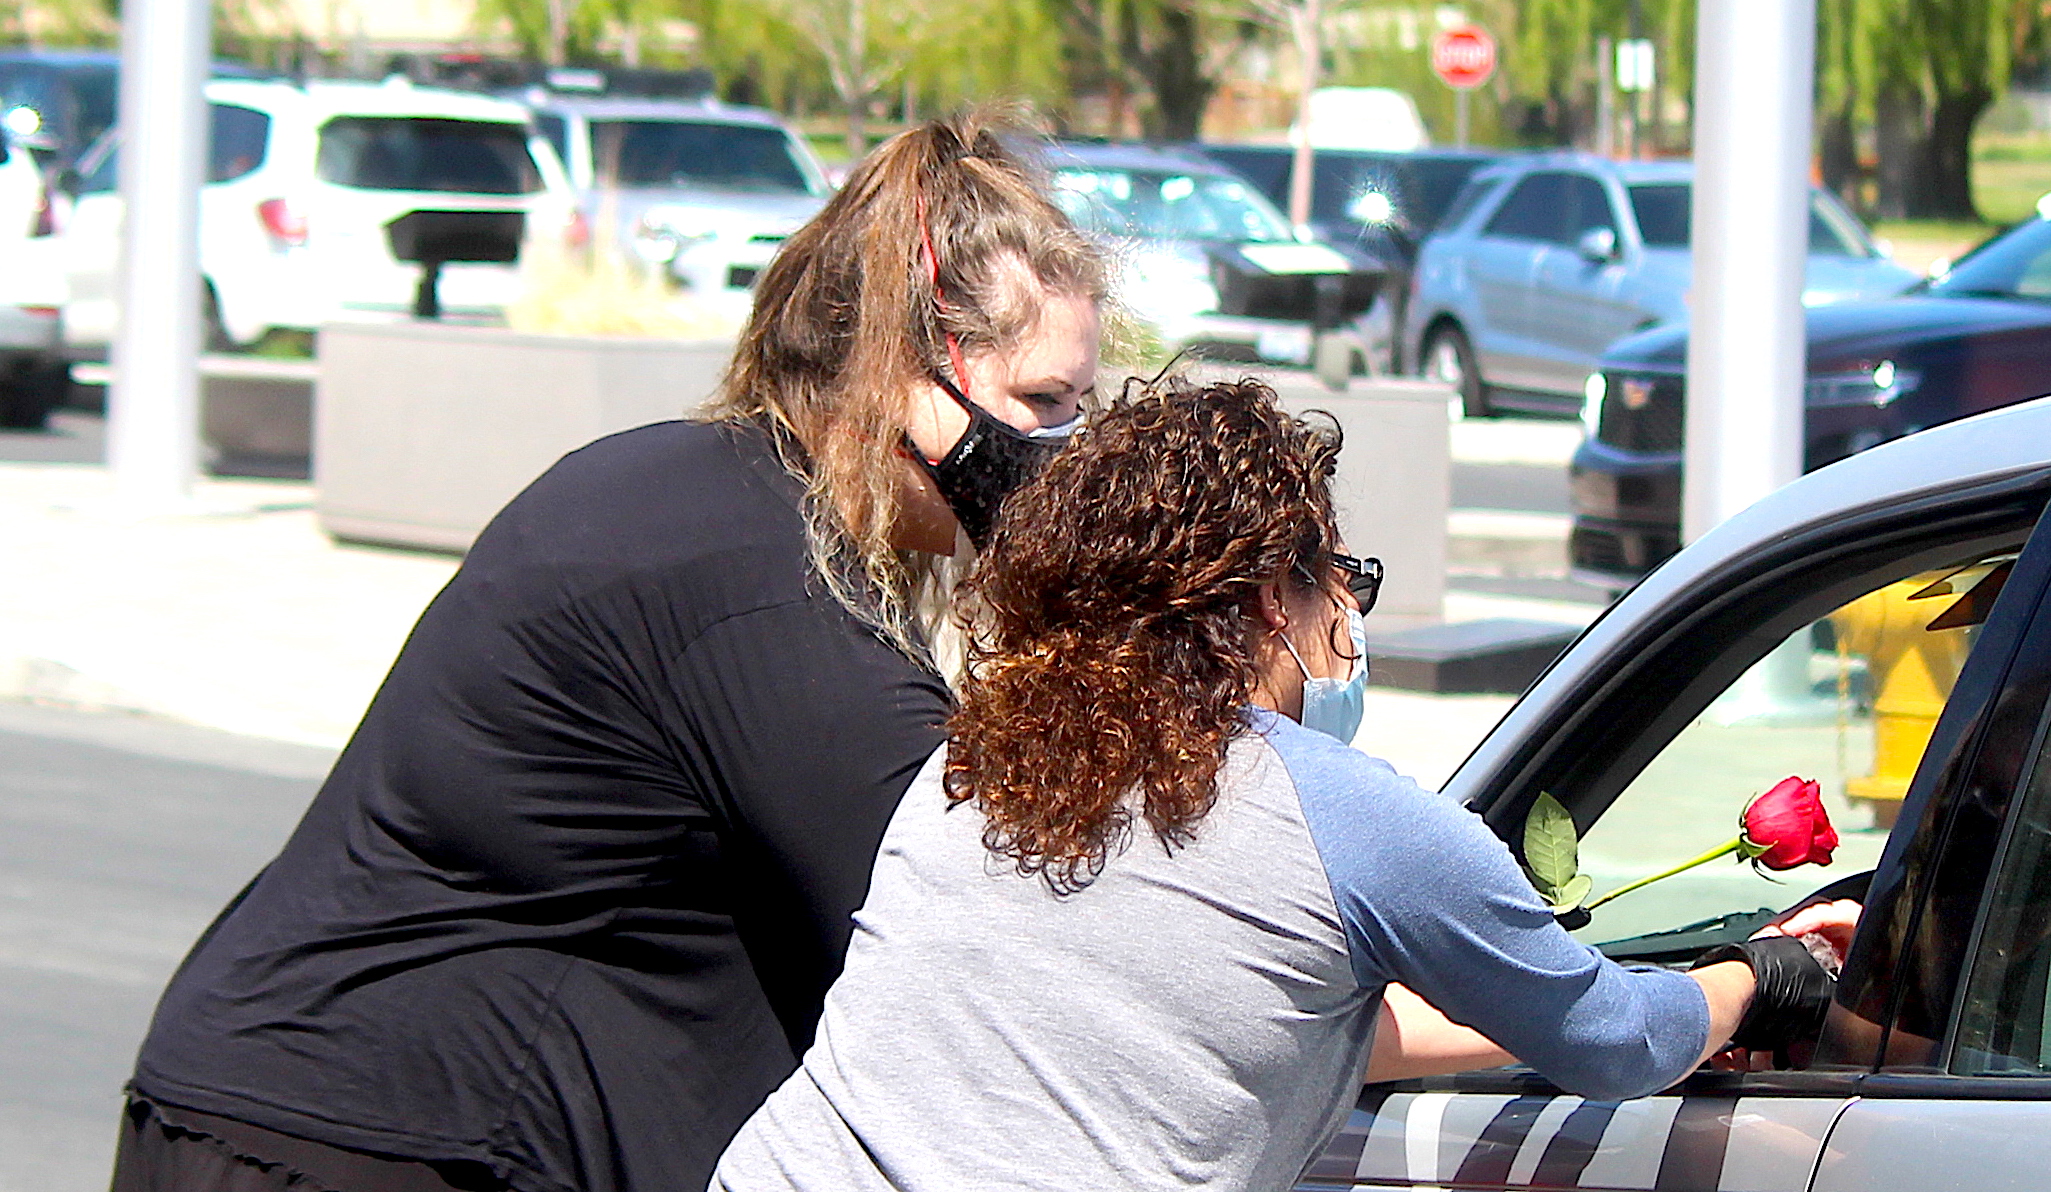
1572,894
1550,847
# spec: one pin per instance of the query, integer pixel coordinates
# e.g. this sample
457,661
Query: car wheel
213,333
28,394
1449,358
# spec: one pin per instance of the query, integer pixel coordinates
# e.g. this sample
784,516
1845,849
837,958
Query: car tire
213,333
1449,357
29,393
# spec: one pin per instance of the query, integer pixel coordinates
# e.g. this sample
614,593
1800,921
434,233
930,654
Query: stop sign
1463,57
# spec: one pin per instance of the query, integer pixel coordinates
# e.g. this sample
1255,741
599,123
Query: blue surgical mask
1333,706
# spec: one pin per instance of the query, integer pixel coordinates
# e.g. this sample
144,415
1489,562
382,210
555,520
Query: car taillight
286,226
578,233
46,218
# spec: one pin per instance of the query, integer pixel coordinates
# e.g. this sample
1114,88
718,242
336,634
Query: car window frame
1920,530
2001,511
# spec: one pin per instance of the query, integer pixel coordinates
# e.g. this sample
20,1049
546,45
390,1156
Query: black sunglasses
1363,578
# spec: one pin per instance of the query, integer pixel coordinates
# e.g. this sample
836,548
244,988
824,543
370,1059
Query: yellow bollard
1913,672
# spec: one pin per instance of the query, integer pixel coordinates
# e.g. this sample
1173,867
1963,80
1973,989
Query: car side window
1535,210
240,139
2003,1018
557,130
1471,195
1849,701
1587,208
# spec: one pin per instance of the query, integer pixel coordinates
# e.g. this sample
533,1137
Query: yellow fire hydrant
1913,670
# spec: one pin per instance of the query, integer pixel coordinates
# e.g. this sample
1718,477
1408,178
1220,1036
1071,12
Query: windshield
1166,206
1663,222
417,153
2014,265
751,158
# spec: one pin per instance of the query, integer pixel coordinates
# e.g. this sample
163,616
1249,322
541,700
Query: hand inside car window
1849,701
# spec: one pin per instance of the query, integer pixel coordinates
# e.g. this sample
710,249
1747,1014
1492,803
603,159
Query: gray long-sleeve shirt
1199,1018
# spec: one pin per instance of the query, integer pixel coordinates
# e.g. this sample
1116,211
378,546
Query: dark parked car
1974,339
1384,202
1932,1072
1206,261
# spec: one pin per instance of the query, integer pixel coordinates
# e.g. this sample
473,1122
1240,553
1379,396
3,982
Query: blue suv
1544,261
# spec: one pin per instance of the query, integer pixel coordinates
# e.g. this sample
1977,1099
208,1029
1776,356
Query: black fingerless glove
1793,992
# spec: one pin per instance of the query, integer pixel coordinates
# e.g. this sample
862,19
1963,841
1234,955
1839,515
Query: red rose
1790,824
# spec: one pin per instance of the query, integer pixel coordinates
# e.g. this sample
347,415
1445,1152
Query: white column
153,405
1755,63
1754,70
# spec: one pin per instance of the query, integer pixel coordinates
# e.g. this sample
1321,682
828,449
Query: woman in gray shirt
1138,923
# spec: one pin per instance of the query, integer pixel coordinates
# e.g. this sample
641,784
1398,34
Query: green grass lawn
2011,171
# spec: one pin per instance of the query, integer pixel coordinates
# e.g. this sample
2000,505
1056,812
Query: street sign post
1463,58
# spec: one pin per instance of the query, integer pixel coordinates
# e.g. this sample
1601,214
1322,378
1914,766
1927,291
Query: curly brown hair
1110,648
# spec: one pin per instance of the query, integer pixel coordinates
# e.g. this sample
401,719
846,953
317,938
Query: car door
1581,294
1950,1003
1502,267
1785,660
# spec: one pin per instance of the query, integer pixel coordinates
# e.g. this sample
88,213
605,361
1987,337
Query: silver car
704,190
1789,640
1545,261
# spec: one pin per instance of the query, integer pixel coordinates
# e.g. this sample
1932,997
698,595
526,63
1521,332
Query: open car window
1849,700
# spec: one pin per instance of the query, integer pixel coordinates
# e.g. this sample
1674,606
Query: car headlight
1592,392
657,241
1878,387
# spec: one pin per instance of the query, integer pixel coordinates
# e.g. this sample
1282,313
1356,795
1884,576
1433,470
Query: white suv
704,190
303,182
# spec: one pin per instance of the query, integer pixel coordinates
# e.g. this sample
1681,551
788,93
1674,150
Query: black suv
1977,338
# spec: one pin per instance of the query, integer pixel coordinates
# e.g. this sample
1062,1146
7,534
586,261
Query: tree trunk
1947,191
1303,163
1900,133
1840,156
1175,69
854,94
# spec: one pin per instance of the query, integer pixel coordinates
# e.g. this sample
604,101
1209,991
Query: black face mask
993,460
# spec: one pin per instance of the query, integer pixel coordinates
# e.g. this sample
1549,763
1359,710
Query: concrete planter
423,431
1394,486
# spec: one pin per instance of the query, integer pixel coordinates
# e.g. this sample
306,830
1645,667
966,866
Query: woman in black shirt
565,910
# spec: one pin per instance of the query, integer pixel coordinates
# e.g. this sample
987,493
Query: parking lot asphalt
120,838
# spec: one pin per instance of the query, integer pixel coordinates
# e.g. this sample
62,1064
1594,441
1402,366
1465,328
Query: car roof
707,111
327,97
1394,155
1070,154
1627,172
1986,447
62,58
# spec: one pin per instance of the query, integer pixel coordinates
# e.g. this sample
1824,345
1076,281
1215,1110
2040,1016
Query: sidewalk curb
29,679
